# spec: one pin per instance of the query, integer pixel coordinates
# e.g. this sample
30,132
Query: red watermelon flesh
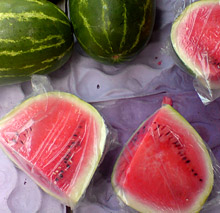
165,166
195,37
58,140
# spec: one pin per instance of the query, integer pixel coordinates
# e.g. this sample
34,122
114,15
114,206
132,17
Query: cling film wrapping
166,167
195,40
93,190
57,139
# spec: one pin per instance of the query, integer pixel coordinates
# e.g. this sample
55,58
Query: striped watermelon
112,31
35,38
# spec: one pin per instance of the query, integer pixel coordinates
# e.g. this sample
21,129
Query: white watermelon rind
73,195
131,201
182,56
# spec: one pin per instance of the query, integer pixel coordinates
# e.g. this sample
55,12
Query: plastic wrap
57,139
166,167
195,42
18,193
125,116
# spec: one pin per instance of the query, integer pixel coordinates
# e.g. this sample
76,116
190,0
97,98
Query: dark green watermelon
112,31
35,38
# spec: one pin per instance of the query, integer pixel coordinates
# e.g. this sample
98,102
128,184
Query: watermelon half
58,140
164,167
195,37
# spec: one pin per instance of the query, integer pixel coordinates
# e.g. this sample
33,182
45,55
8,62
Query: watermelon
164,167
58,140
112,31
195,40
35,38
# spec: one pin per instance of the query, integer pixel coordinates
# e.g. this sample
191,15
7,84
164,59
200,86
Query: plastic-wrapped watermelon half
195,39
58,140
165,166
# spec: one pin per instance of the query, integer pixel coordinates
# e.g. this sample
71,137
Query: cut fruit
195,39
164,167
58,140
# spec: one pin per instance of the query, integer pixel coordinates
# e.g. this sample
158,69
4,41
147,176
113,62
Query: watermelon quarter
35,38
164,167
112,31
195,40
58,140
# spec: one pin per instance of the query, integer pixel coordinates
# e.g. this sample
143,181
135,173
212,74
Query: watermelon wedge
58,140
164,167
195,40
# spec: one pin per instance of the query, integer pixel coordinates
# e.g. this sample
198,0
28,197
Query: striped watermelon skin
112,31
35,38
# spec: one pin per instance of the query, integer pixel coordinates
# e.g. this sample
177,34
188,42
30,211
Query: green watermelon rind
73,195
36,38
112,33
134,203
181,58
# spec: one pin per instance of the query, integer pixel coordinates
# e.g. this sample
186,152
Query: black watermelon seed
78,143
68,165
170,138
195,174
163,127
75,135
61,175
192,170
200,180
56,179
188,161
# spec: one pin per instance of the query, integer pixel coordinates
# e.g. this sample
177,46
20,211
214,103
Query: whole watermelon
112,31
35,38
